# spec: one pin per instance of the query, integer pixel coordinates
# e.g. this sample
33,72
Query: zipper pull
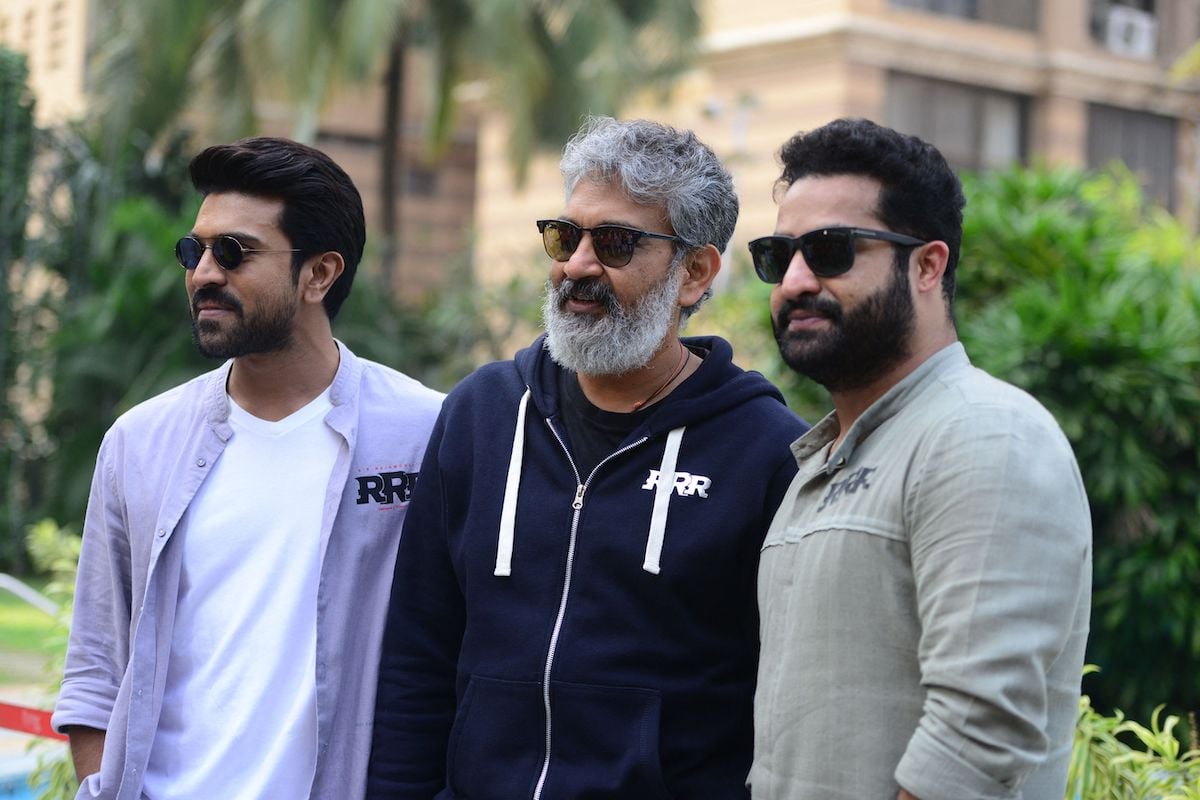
578,504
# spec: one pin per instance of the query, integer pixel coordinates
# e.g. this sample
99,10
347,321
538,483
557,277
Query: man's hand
904,795
87,745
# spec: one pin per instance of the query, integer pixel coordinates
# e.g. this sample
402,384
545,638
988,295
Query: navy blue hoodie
552,635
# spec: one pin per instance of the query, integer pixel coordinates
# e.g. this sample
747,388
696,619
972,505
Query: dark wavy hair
920,195
322,209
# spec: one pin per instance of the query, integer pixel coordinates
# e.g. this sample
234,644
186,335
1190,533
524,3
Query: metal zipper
577,505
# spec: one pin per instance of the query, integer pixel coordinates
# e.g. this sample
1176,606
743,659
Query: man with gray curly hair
573,608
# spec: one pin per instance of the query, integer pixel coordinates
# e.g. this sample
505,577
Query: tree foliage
546,63
16,152
16,156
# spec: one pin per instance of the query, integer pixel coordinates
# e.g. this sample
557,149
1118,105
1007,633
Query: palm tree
546,63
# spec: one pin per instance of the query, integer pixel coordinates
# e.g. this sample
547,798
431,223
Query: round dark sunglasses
612,244
228,251
827,251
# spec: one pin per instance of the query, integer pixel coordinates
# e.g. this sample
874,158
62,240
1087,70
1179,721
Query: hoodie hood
716,386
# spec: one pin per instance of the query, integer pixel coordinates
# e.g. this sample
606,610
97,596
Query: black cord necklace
682,363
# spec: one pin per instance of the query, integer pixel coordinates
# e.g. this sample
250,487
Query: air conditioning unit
1131,32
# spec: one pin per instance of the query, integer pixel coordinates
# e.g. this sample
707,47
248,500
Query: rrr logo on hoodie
685,483
386,488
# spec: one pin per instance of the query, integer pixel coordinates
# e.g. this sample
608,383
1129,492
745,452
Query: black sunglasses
228,251
612,244
827,252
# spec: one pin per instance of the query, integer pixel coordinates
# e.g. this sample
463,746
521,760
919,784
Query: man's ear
930,260
319,274
701,267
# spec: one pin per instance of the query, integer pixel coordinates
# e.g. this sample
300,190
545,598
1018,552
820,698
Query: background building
53,36
990,82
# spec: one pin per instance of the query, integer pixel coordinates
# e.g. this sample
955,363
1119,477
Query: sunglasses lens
613,245
771,256
188,251
560,239
227,251
828,252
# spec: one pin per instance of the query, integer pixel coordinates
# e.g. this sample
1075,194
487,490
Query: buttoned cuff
930,771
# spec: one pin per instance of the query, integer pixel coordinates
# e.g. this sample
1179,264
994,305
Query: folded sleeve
1001,552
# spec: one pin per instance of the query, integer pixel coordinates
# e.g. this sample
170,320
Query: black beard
267,332
862,345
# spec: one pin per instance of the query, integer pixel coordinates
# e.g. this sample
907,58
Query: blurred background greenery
1073,285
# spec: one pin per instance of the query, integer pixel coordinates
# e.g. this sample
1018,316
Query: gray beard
620,341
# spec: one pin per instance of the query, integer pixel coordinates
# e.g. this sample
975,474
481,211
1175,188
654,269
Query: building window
1143,142
974,128
56,40
1022,14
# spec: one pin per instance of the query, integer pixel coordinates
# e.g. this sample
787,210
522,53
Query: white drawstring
662,498
508,514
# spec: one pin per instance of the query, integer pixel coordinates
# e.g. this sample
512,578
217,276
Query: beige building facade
53,36
990,82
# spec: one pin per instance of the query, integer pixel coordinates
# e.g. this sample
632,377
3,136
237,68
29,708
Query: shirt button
200,462
161,532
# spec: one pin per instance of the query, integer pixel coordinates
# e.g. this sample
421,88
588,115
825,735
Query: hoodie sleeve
779,478
415,702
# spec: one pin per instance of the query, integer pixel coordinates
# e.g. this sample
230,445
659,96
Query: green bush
1107,764
1077,290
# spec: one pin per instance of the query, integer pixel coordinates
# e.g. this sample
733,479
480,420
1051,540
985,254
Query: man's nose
207,270
799,279
583,262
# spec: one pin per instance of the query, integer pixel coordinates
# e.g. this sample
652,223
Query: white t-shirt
239,711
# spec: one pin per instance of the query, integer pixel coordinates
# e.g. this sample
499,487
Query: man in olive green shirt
925,585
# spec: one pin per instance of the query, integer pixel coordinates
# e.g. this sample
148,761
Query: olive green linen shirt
925,592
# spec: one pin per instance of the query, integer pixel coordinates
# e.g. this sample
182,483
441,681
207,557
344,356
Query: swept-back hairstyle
920,195
322,209
657,165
